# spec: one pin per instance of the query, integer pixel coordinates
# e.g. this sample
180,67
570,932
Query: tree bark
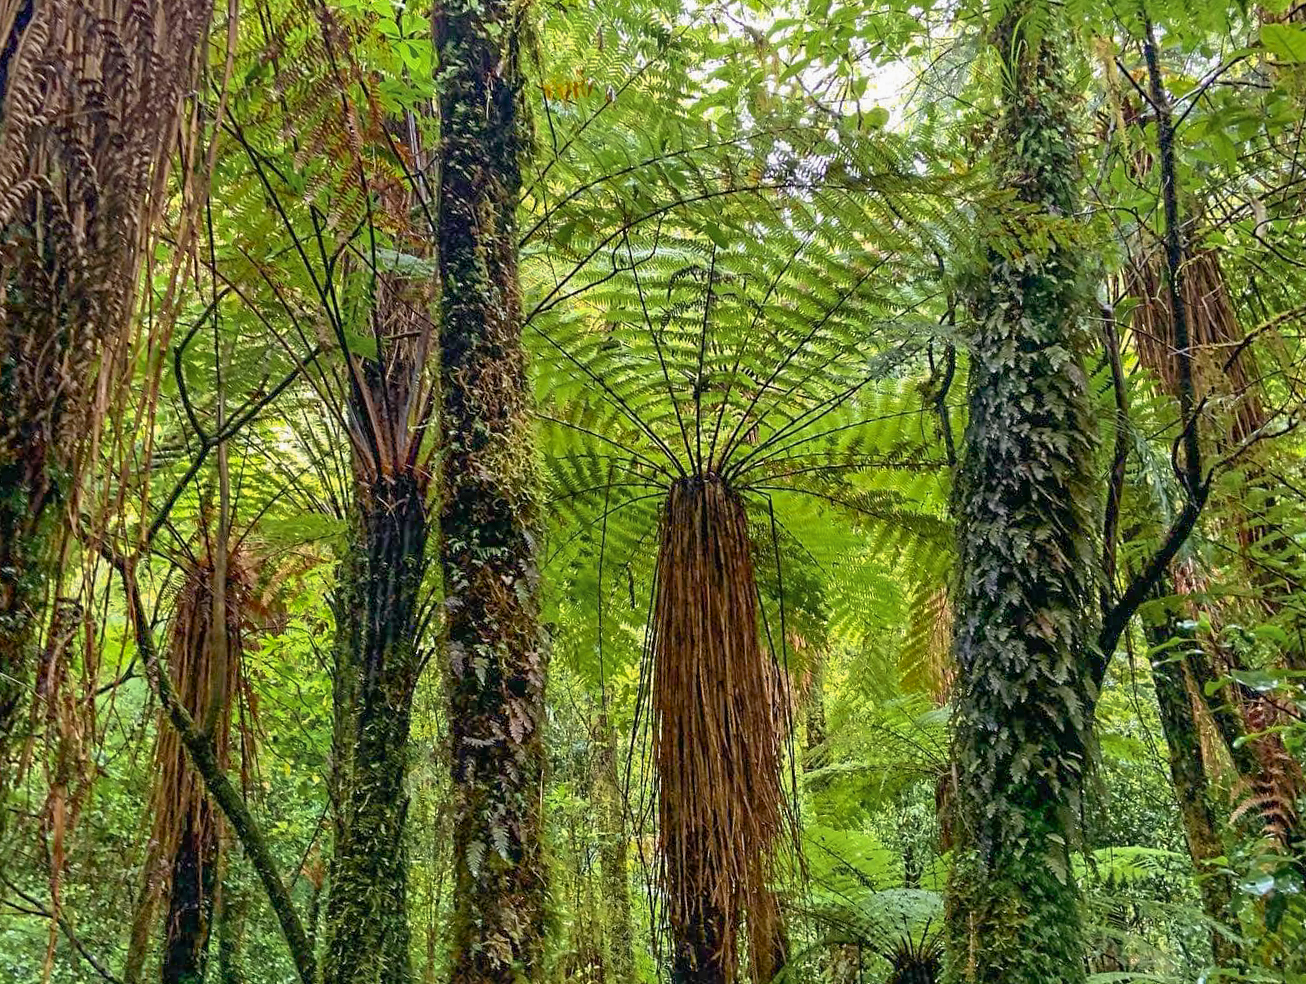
190,899
1028,562
496,651
1188,775
376,669
613,856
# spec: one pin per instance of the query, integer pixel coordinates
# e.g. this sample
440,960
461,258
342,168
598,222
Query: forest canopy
509,492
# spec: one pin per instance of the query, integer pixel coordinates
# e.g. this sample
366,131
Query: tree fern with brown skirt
90,96
709,408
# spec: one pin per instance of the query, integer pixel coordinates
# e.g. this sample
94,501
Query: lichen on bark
1026,510
377,663
496,653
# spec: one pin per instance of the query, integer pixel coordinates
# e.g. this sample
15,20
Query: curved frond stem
657,346
732,441
590,525
698,376
608,440
743,342
777,453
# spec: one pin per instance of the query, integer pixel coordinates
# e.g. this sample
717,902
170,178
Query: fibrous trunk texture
90,91
496,653
377,665
718,726
1172,644
1027,568
187,827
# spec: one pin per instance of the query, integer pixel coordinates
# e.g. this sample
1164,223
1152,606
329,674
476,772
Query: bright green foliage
825,249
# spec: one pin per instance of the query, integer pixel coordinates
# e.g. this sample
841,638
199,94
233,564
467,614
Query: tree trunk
190,901
496,651
1188,774
718,726
613,860
1028,564
376,669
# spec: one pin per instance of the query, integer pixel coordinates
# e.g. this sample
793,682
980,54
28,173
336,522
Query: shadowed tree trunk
1188,774
190,899
376,669
613,858
496,652
1025,627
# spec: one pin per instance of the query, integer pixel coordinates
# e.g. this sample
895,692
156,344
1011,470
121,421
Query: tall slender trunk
190,900
1028,563
1188,774
376,669
613,854
489,519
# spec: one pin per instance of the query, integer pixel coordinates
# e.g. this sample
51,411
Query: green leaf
1286,42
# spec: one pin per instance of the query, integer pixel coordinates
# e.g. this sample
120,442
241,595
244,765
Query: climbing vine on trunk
1025,504
489,519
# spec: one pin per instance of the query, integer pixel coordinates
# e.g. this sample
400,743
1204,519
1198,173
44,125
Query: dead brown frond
720,717
185,841
90,97
1223,370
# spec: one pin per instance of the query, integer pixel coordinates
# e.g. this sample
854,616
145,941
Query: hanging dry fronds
720,716
90,96
1221,369
186,824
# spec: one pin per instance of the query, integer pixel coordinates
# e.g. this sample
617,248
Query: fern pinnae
789,356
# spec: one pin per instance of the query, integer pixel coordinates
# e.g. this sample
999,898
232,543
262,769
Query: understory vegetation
511,492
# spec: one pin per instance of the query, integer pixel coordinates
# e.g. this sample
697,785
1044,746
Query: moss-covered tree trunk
1028,583
376,669
613,855
1172,643
496,653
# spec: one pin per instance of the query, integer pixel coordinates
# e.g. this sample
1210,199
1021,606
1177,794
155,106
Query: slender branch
39,910
203,757
1188,465
1120,458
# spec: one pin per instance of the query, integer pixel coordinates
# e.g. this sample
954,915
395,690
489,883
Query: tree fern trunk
1027,565
1188,774
377,665
489,514
190,901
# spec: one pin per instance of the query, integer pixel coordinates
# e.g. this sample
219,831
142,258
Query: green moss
1025,502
